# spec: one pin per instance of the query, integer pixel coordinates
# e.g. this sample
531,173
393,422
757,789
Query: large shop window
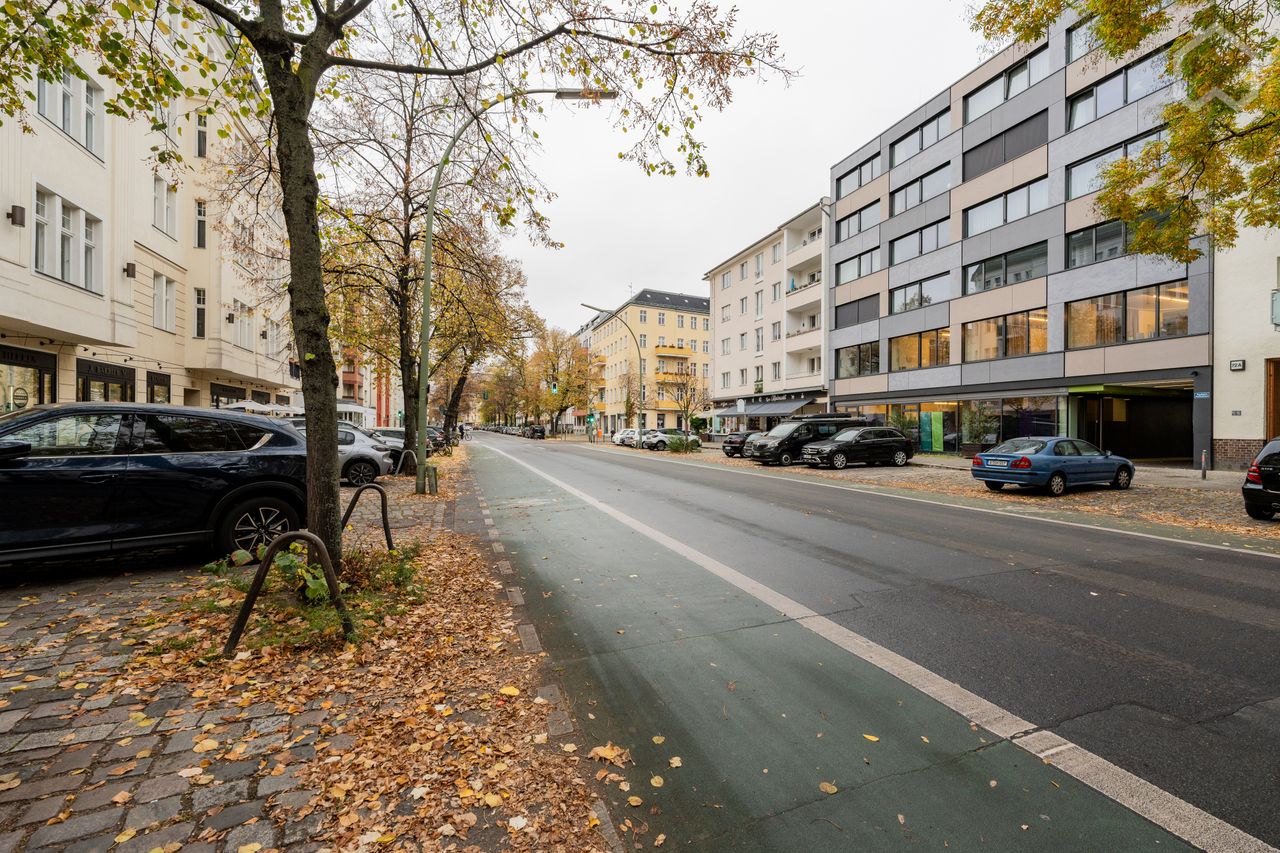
924,349
27,378
858,360
1025,264
1159,311
98,382
1021,333
159,387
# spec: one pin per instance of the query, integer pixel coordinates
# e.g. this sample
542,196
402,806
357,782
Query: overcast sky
862,66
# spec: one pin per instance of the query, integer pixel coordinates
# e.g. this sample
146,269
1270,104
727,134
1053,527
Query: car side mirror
1106,453
14,449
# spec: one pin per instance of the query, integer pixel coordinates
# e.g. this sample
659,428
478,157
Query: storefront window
26,378
938,431
980,424
158,385
1028,416
101,382
873,415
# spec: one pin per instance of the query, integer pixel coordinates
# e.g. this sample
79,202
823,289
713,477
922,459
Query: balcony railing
812,375
759,386
804,285
672,352
798,332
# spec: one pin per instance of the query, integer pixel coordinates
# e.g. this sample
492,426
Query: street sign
1202,395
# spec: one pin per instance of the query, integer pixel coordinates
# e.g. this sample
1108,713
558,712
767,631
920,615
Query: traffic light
591,417
554,388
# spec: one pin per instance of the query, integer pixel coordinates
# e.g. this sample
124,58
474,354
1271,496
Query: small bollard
1204,464
433,480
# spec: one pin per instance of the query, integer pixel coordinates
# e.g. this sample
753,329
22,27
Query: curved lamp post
424,338
639,362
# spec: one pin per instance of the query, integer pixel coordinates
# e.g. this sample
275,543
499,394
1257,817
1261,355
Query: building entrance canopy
776,408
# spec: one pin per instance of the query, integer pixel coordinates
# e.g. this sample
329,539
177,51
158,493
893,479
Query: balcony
814,376
759,386
671,352
804,285
670,377
805,331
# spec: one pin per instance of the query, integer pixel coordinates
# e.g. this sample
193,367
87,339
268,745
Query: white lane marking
871,491
1191,824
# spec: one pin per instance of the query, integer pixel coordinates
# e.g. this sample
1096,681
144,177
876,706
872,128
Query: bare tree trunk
455,398
300,192
408,337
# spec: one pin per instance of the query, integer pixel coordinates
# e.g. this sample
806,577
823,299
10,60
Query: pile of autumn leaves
434,737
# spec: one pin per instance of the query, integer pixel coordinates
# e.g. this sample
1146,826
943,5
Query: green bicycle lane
658,655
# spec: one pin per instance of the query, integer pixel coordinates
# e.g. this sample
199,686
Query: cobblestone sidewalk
85,768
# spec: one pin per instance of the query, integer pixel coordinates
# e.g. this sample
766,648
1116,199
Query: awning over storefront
772,409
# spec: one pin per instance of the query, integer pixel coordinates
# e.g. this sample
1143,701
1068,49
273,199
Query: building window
644,340
1140,79
243,325
933,184
90,253
923,349
66,243
164,303
1081,40
679,321
742,271
742,342
724,313
759,373
920,293
1021,333
202,136
706,324
742,306
775,331
40,255
706,346
859,221
859,266
662,340
1023,137
164,200
1159,311
759,338
1016,266
74,256
858,360
759,304
644,316
662,318
1098,243
724,346
759,264
776,291
201,309
202,225
74,106
1086,177
724,379
858,311
158,386
861,175
776,370
742,376
724,281
918,243
1015,80
92,121
777,252
920,138
679,343
1009,207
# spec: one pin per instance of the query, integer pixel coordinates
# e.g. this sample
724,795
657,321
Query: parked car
361,459
783,444
733,442
658,439
867,445
534,431
624,437
1262,483
1054,463
81,478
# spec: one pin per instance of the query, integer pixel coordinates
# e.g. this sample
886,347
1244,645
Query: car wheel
360,472
660,446
839,461
728,452
995,487
900,458
1057,484
1259,513
1123,478
784,458
253,523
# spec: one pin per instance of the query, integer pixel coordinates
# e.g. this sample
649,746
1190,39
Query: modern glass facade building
976,294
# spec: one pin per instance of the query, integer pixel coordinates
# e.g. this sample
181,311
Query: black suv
782,444
868,445
90,477
1262,484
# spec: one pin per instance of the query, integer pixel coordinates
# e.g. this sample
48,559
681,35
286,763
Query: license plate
997,463
748,451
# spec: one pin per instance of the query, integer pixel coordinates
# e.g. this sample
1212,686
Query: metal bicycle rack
400,463
255,589
386,521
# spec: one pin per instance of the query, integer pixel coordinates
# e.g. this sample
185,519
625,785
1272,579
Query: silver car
360,458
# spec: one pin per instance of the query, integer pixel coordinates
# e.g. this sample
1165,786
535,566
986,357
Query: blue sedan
1053,463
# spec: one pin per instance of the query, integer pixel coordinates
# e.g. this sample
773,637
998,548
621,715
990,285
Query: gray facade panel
850,335
946,259
1150,269
857,244
937,316
1045,225
904,324
1098,135
976,374
929,377
943,151
938,207
1057,326
1200,311
1094,280
1046,366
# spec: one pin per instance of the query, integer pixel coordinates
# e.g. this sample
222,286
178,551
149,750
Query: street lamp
424,337
639,362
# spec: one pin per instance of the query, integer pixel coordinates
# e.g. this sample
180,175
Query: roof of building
666,299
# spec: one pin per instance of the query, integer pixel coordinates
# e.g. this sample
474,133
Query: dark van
783,444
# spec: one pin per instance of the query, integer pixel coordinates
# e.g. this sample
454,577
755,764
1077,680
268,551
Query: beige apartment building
115,281
768,331
673,334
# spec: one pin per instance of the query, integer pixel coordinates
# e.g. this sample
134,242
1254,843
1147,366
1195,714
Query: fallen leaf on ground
872,738
634,801
126,835
675,761
510,690
827,788
206,745
569,747
658,739
656,781
660,840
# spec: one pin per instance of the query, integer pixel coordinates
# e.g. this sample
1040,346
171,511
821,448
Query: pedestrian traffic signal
554,388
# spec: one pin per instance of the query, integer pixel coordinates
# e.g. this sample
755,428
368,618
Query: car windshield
1019,445
783,430
846,434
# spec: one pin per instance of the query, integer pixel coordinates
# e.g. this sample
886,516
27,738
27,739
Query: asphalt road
1157,656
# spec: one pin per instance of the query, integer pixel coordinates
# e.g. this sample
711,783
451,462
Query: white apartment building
115,281
768,329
